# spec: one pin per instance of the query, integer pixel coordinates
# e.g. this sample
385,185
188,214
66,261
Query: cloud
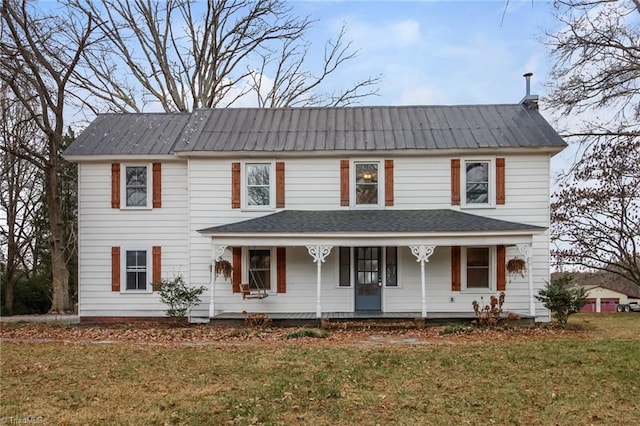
375,36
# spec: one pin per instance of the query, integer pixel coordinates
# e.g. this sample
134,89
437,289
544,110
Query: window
260,269
477,182
345,267
391,266
136,194
478,270
136,269
366,182
259,188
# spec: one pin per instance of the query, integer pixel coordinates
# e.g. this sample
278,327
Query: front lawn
586,376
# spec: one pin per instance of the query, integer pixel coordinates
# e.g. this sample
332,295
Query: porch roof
367,222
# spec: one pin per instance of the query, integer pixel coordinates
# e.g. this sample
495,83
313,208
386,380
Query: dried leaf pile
204,334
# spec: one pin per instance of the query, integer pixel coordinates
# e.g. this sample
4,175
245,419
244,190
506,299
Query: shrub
31,295
307,332
489,315
178,297
455,329
256,320
561,299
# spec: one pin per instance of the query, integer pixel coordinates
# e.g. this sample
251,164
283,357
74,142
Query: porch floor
361,315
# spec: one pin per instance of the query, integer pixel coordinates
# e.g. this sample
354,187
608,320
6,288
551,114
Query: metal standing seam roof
277,130
369,221
130,134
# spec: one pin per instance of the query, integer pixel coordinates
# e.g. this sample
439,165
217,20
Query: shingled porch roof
441,223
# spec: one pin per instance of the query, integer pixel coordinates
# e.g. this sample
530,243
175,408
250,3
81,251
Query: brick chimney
529,101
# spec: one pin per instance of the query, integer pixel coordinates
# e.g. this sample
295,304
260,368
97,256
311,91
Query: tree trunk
60,303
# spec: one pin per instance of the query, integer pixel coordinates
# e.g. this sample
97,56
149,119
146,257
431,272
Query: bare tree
20,194
185,55
39,53
596,215
597,68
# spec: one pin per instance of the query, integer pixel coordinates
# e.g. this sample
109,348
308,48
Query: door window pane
345,267
392,266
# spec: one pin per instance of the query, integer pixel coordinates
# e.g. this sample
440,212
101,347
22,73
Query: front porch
374,317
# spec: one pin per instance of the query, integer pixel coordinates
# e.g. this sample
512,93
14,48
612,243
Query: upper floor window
136,186
367,188
259,185
478,183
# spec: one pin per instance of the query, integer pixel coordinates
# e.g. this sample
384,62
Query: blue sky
440,52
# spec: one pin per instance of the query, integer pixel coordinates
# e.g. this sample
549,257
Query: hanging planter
516,266
224,268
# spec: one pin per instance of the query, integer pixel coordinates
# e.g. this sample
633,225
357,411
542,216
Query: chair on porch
259,292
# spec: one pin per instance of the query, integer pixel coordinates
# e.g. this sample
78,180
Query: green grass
588,379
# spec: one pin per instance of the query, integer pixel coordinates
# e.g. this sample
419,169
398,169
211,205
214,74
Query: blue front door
368,279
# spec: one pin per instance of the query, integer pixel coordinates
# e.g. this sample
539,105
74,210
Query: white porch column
218,251
525,250
422,254
319,254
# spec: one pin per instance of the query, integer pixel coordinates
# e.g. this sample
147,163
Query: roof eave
552,150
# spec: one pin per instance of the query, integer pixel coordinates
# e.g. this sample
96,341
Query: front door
368,279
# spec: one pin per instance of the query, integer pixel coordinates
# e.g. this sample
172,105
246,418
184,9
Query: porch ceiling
399,227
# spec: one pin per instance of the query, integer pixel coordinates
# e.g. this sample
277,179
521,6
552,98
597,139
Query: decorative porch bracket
218,251
422,254
319,254
525,250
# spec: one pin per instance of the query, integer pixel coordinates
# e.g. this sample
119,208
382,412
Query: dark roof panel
376,221
130,134
318,129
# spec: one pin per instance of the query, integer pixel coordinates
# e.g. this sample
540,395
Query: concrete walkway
56,319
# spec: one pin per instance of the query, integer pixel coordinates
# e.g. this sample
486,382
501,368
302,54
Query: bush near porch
584,375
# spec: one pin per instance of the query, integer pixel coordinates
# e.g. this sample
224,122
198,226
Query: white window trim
273,266
492,272
272,185
123,270
492,182
352,183
123,186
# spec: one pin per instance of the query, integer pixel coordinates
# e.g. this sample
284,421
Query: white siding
102,227
312,183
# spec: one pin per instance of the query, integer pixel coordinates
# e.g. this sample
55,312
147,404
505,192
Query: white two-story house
412,210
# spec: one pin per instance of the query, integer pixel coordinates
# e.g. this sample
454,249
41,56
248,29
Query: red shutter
115,268
157,185
455,269
500,191
455,182
388,182
156,264
344,182
501,265
281,259
280,185
237,269
235,186
115,185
